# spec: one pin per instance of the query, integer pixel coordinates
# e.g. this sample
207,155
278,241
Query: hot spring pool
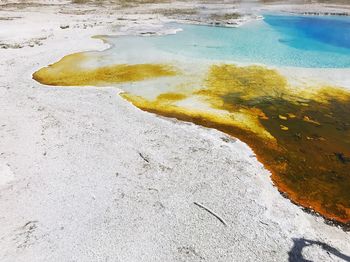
226,78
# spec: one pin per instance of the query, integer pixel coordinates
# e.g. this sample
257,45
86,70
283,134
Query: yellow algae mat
300,134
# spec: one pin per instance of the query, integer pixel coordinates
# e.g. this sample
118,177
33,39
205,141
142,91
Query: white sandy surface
85,176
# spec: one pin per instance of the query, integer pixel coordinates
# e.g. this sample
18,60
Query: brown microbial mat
301,135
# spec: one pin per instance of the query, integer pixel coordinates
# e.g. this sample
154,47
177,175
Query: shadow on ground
295,254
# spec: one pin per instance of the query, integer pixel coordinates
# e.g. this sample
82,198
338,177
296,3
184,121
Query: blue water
300,41
332,31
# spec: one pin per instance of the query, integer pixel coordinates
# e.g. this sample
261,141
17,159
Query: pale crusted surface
91,178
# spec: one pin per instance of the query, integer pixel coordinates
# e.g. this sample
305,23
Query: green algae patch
302,135
69,71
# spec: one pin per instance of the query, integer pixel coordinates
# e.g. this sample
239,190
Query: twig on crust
211,212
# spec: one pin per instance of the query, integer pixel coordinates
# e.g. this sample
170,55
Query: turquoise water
299,41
